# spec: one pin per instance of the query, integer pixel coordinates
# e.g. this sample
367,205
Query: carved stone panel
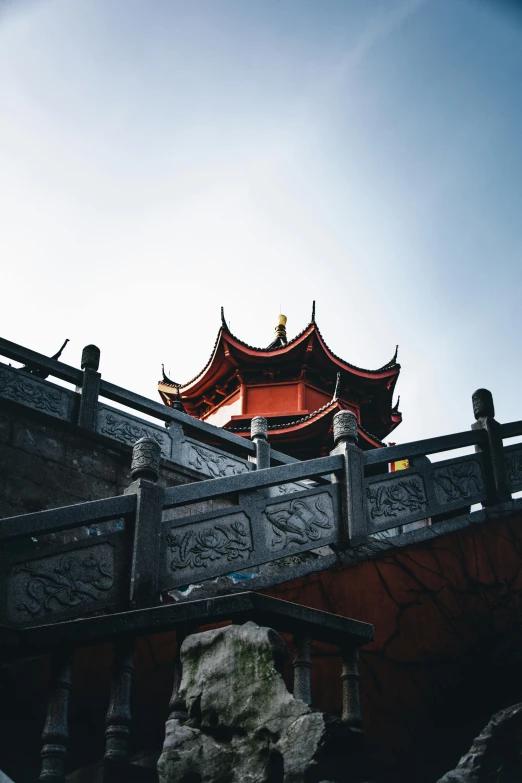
129,430
211,462
61,585
458,481
396,498
299,522
285,489
38,394
513,460
204,549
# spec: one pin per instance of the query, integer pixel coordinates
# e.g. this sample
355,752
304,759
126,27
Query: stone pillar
354,527
350,684
55,735
145,465
90,387
118,720
496,478
259,434
302,666
177,706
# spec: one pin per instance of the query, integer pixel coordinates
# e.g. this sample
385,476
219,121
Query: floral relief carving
199,548
300,521
76,578
459,481
38,396
127,431
393,497
514,467
213,464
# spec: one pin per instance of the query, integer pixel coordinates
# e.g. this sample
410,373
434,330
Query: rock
496,754
244,726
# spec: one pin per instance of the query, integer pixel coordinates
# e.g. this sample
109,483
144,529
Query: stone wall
46,463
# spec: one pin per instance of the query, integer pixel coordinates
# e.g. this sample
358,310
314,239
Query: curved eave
303,428
386,371
222,359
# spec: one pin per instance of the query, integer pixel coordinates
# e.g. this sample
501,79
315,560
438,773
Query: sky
160,159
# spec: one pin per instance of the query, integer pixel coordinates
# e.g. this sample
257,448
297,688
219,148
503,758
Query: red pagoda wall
448,643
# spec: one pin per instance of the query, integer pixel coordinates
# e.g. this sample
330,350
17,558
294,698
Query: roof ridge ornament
223,322
280,334
337,388
394,360
313,313
395,408
32,370
168,380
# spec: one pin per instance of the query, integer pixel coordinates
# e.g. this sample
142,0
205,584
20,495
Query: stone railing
61,640
183,440
131,550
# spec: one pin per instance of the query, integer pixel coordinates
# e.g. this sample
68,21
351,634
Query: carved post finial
345,427
259,428
483,404
91,357
146,456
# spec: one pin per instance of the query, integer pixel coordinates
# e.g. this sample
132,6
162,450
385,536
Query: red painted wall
448,642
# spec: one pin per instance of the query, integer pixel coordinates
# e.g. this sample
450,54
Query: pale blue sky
160,158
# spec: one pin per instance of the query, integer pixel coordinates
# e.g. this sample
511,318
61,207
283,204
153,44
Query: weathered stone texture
244,726
496,754
44,464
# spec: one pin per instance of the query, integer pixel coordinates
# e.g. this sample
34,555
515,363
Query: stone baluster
177,707
145,466
55,734
496,478
90,387
118,719
259,434
354,526
350,685
302,666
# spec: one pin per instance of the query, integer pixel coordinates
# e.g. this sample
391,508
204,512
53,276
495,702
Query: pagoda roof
317,423
306,357
225,341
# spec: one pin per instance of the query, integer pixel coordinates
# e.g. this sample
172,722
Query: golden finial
281,327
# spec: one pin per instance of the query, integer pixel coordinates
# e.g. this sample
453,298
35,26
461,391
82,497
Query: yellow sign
401,464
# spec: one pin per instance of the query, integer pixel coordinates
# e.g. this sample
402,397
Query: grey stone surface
496,754
6,422
46,464
244,726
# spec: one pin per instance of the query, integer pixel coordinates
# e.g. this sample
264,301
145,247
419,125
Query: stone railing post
354,527
90,387
118,720
302,666
259,434
55,735
147,527
496,479
350,684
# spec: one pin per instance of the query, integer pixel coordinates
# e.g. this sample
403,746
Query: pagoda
298,385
